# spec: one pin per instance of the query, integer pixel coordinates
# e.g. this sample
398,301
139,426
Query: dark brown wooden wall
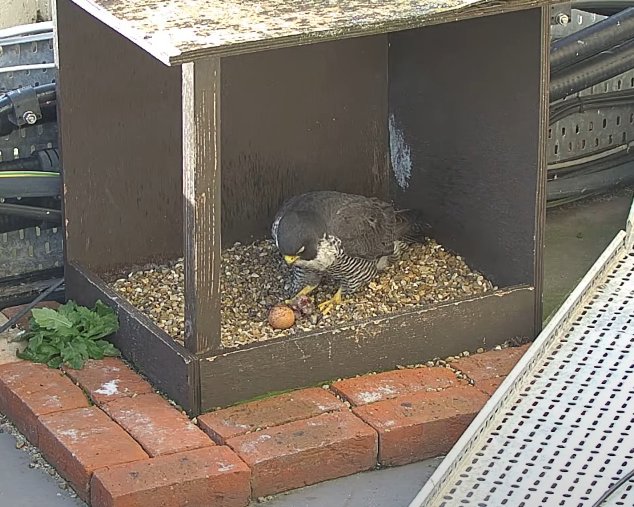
465,99
121,146
300,119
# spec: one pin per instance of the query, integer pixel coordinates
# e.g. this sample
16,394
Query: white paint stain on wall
400,154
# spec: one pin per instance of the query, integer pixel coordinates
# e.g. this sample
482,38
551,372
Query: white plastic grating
561,431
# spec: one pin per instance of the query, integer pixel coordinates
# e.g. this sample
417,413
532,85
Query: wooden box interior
448,119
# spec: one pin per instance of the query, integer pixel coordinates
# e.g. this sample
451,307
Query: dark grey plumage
348,238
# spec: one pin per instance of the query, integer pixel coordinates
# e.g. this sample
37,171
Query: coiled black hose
20,164
592,40
592,71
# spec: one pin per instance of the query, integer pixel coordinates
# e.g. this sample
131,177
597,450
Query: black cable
612,489
40,160
592,71
32,212
603,7
592,40
590,183
562,109
13,320
47,99
35,184
593,165
20,164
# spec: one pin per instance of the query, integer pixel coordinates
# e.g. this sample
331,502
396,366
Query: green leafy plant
70,335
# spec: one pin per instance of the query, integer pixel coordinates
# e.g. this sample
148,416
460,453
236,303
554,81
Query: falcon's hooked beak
290,259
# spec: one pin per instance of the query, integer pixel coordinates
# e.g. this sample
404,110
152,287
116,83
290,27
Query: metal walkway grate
560,431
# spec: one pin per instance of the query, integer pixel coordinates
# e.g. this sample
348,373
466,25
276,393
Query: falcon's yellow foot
327,306
304,292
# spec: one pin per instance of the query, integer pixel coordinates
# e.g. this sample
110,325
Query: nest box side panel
466,131
169,367
301,119
121,146
376,345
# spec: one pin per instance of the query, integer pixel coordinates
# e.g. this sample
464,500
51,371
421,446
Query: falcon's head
298,236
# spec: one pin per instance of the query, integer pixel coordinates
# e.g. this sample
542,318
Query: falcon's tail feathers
411,226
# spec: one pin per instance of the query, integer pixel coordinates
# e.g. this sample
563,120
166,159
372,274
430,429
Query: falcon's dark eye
301,250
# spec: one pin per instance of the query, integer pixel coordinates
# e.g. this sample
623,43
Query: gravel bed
254,278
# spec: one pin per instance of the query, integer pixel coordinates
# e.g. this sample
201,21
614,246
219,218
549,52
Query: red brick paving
240,419
109,379
306,452
29,390
387,385
156,425
280,443
78,442
492,364
212,476
421,425
490,385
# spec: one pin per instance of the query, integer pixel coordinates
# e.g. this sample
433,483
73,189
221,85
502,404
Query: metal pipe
13,320
592,40
32,212
592,71
31,28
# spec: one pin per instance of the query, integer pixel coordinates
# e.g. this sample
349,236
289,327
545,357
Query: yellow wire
35,174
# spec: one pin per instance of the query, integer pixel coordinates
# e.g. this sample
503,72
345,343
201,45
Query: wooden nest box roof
180,31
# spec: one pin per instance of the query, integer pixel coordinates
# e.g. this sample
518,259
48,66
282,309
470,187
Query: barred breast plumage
348,238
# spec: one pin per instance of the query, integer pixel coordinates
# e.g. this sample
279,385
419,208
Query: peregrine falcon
345,237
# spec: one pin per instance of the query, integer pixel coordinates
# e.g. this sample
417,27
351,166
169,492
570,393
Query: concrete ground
22,486
391,487
575,236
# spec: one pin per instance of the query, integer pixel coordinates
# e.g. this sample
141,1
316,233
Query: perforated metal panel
27,60
560,431
594,130
29,250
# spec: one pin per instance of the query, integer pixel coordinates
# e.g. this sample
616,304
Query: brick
305,452
387,385
491,364
108,379
78,442
29,390
23,323
490,385
212,476
421,425
233,421
156,425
